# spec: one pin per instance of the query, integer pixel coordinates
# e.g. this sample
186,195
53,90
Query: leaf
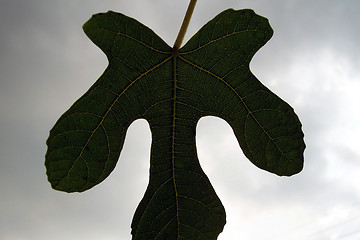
172,90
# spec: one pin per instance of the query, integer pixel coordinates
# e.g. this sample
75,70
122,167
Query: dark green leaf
172,90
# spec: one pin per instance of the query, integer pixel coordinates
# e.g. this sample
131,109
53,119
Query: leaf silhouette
172,90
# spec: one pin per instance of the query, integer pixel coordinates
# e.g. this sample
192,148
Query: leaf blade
230,46
172,90
95,111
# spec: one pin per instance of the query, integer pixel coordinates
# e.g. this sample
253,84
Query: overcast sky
312,62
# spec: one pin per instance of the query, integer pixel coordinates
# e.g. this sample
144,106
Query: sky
312,62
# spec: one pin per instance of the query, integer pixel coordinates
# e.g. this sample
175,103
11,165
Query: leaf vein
238,96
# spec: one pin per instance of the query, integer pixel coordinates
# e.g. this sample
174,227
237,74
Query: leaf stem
184,25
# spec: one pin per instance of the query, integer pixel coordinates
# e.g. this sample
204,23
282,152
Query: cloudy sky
312,62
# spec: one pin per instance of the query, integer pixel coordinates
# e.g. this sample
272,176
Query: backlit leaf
172,90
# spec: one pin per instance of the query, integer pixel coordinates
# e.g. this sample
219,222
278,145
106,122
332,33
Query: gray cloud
47,62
